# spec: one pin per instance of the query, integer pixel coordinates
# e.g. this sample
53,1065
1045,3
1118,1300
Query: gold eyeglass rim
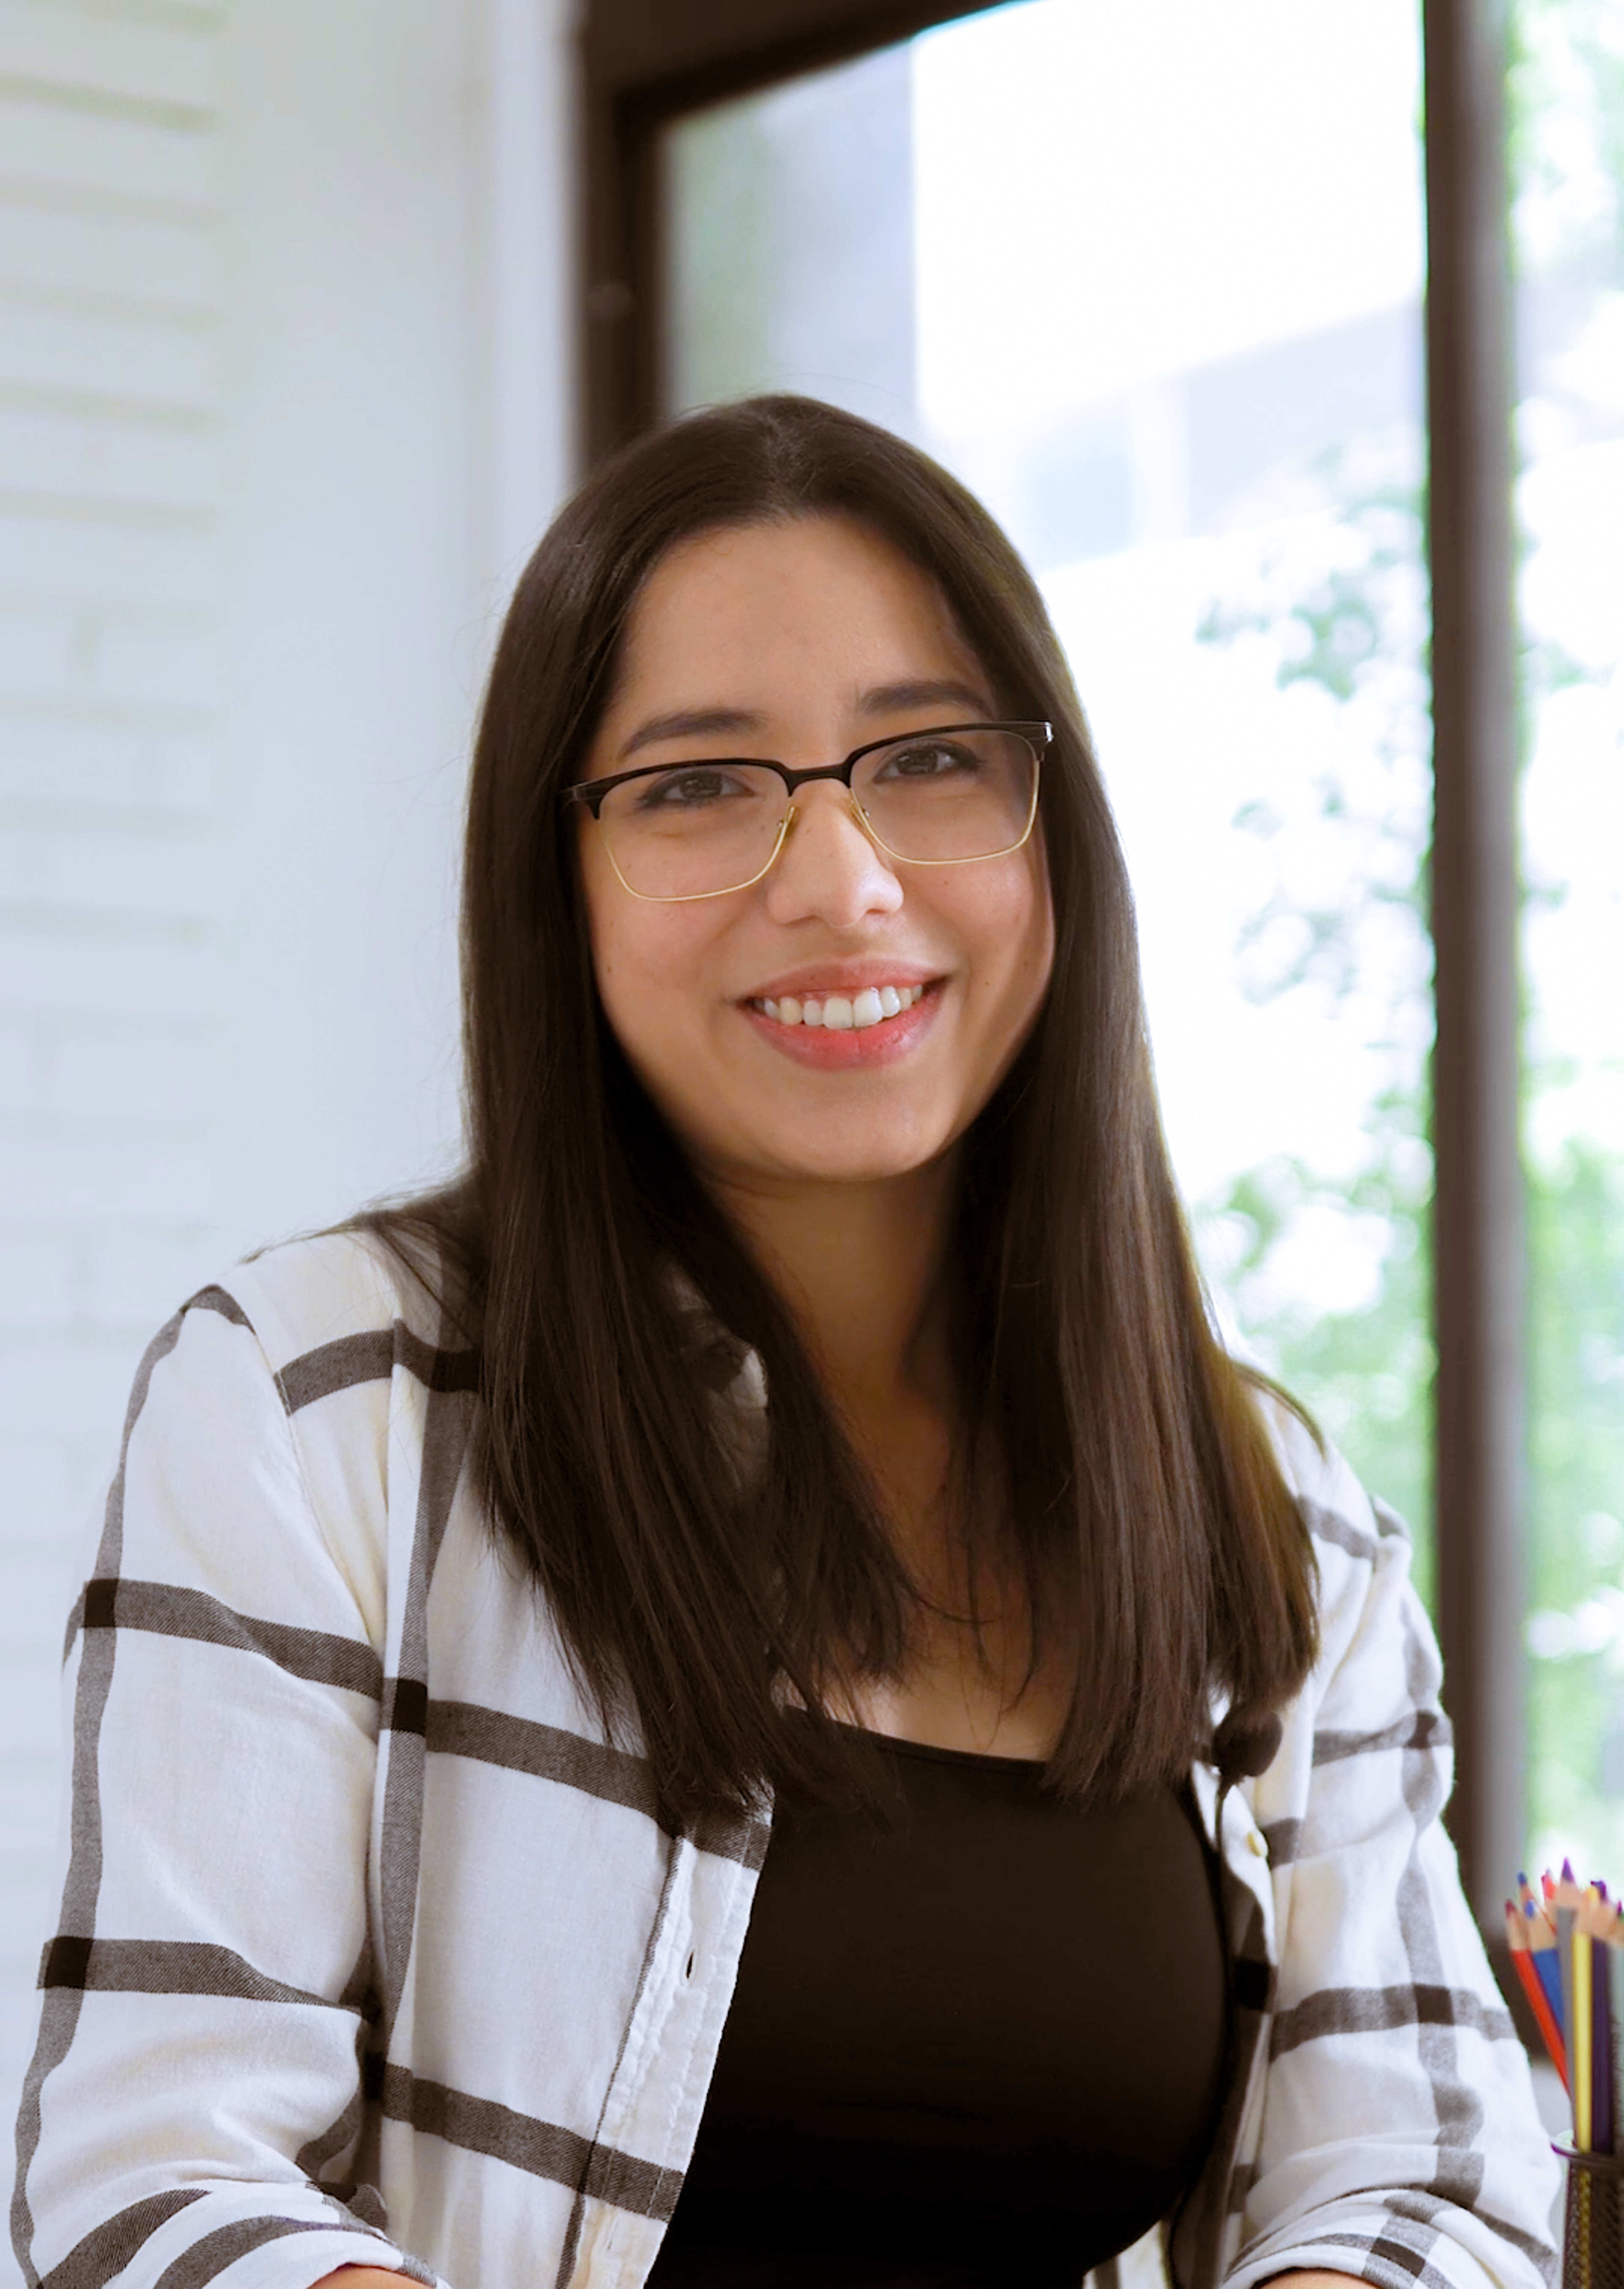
590,792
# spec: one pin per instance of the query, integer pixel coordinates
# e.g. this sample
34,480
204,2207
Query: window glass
1568,233
1169,270
790,244
1149,282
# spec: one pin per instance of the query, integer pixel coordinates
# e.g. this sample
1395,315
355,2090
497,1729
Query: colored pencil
1567,1950
1593,1922
1581,2031
1614,1947
1534,1987
1601,2046
1562,1898
1547,1962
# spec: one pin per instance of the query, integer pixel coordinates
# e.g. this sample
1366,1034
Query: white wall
283,384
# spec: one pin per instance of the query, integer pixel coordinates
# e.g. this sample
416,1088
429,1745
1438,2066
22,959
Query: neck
861,1267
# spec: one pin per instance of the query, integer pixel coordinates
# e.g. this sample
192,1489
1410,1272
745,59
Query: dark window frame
644,63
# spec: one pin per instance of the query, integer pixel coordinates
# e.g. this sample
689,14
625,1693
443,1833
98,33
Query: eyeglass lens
700,827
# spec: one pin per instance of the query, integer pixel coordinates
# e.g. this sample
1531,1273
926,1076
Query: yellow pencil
1581,2048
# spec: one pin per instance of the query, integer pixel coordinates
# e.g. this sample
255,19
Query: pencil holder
1593,2230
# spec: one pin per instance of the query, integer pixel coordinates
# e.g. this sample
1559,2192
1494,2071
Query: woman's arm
197,2061
1399,2137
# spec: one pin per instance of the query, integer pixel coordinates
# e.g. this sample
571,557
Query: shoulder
253,1345
1362,1549
263,1440
295,1395
334,1336
306,1296
1364,1742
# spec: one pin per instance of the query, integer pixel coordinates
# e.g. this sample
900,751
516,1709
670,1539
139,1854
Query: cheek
1017,931
651,964
1043,930
643,1018
618,929
635,988
618,964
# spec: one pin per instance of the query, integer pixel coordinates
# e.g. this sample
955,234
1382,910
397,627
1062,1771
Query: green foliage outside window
1349,625
1340,610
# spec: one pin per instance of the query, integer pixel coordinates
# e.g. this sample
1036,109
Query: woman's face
799,642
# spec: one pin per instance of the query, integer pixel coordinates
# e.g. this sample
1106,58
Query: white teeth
840,1013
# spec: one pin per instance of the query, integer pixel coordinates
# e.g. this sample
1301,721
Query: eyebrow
691,723
884,699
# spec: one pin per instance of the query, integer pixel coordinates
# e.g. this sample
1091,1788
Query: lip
849,977
861,1047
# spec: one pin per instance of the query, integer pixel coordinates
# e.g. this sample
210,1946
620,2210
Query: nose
830,868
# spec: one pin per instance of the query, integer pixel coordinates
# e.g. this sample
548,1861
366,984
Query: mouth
841,1013
847,1033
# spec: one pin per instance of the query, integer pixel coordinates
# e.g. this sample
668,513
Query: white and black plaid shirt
372,1952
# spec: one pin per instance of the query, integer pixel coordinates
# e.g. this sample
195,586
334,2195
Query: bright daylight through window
1176,346
1568,241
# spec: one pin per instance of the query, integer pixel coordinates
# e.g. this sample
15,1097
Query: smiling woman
756,617
779,1714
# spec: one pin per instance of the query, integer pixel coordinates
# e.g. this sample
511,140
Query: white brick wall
282,406
110,323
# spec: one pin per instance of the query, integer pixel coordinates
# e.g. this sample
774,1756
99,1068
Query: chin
843,1158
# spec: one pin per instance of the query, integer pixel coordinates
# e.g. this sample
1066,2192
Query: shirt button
1258,1843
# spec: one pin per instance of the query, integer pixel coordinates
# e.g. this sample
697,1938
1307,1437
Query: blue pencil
1547,1962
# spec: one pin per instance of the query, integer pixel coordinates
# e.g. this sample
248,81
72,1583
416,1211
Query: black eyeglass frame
1039,736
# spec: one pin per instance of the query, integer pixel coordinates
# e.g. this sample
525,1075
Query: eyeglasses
945,796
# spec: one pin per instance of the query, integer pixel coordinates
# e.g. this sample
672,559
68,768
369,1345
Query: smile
838,1014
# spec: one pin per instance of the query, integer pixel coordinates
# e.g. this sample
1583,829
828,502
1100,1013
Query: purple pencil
1602,2103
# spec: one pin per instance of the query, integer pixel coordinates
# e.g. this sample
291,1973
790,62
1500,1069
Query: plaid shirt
372,1950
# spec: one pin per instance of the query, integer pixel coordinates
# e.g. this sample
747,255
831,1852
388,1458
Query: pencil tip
1567,1872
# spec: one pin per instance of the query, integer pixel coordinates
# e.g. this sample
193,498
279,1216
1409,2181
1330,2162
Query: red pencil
1516,1931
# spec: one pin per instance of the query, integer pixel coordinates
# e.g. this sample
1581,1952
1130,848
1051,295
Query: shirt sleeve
205,1995
1399,2139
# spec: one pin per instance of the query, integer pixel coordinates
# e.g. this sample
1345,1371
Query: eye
930,759
690,787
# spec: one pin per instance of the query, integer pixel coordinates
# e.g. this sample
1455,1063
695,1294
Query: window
1219,486
947,224
1568,245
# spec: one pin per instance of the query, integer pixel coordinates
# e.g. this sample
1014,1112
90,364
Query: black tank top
981,2038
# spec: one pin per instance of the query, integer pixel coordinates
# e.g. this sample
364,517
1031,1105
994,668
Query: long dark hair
691,1583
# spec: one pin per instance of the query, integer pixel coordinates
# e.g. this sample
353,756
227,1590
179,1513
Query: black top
980,2039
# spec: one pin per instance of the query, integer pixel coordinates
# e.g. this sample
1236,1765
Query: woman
752,1667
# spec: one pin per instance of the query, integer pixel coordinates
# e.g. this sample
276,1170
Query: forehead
821,597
